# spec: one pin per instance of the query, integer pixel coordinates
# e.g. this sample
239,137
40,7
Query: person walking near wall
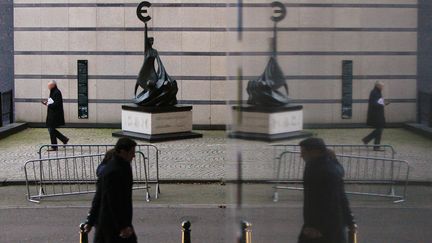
326,210
55,115
375,115
111,210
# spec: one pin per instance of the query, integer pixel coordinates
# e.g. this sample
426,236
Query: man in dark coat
375,115
55,115
111,211
326,210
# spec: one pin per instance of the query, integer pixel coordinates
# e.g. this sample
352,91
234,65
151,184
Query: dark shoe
364,141
66,141
52,149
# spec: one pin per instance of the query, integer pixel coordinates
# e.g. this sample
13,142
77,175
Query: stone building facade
198,44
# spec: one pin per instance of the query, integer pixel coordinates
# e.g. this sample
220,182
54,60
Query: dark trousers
334,237
54,134
110,237
303,239
375,134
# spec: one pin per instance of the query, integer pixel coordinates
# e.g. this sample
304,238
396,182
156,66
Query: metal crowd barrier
352,149
150,152
371,176
74,175
344,149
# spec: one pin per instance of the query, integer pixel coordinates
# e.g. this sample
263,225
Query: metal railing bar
77,172
370,174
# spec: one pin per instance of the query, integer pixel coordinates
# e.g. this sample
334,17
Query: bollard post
83,234
246,232
352,236
186,232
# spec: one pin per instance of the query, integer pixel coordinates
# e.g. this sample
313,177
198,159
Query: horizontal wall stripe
220,29
218,102
220,54
33,76
218,78
216,5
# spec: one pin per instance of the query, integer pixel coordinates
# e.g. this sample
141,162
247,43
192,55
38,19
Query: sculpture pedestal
269,123
156,124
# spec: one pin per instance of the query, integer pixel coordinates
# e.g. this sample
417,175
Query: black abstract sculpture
158,88
266,90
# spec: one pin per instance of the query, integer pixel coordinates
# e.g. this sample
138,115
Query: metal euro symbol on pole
142,12
280,11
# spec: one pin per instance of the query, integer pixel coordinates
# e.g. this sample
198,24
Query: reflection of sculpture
265,90
159,89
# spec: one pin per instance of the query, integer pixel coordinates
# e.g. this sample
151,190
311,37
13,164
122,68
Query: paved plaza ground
211,207
213,157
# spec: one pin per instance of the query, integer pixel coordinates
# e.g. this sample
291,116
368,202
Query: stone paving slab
213,195
214,156
214,225
56,219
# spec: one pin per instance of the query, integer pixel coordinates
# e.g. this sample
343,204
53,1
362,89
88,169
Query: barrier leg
275,193
186,232
157,190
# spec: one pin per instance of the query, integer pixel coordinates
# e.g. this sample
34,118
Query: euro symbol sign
280,10
142,12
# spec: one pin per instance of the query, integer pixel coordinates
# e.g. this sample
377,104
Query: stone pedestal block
155,124
268,123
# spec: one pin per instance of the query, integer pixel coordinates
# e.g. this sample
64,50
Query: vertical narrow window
347,88
82,89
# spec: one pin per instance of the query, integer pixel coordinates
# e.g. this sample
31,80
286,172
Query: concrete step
10,129
420,129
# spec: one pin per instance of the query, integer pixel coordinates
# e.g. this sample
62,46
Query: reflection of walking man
326,210
111,210
375,116
55,114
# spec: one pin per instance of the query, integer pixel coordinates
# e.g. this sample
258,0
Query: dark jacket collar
377,90
326,161
53,89
319,160
120,161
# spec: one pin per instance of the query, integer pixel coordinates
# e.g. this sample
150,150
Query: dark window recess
347,88
6,108
425,108
83,111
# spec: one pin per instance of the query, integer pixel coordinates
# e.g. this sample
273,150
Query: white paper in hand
50,101
381,101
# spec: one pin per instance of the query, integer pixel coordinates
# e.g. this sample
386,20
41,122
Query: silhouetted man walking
375,115
55,115
326,210
111,210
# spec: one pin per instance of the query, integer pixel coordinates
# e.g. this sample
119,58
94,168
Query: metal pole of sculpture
264,91
158,88
281,10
